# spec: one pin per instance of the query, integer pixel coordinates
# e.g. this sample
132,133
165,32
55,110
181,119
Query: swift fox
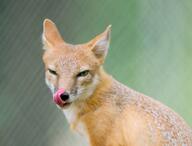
97,106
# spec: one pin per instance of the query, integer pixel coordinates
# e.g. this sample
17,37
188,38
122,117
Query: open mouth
65,105
62,105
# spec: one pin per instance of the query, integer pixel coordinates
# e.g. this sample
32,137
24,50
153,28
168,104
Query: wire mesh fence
150,51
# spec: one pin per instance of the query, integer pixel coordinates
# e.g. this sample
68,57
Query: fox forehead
63,55
70,58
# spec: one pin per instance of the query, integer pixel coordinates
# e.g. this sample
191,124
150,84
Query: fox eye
52,71
83,73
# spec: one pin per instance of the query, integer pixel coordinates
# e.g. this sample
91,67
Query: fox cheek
50,86
50,81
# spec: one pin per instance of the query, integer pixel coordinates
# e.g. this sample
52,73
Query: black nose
64,96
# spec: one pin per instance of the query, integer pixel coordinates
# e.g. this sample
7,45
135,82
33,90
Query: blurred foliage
151,51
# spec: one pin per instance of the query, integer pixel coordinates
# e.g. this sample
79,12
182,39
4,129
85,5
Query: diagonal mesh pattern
150,51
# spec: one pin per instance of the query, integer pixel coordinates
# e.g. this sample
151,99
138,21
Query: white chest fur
79,126
71,114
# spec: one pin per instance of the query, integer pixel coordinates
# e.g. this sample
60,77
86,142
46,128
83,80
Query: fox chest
75,124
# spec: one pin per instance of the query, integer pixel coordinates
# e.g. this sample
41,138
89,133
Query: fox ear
100,44
51,36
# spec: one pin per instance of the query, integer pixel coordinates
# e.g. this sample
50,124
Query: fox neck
79,108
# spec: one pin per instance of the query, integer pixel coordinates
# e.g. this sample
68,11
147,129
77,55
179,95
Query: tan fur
112,114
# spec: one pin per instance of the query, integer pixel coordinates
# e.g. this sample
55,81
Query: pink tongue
56,97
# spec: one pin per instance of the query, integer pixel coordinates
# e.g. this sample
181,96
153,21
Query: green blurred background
151,51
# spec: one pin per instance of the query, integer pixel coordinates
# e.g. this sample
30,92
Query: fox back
105,111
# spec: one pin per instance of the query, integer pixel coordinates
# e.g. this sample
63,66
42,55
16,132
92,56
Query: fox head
72,71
